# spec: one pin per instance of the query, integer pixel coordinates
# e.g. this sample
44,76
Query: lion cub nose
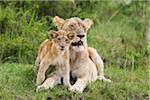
62,47
80,36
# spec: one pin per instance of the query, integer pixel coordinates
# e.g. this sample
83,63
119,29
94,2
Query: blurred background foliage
118,33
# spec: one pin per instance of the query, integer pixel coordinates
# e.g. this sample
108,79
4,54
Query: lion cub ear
52,34
58,22
71,35
87,23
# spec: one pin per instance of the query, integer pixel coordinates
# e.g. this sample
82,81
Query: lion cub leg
44,65
80,85
49,83
66,76
37,63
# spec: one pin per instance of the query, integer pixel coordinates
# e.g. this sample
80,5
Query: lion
54,52
86,64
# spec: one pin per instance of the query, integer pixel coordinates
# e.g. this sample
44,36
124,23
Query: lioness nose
62,47
80,36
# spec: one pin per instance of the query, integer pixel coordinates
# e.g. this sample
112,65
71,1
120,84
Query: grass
17,82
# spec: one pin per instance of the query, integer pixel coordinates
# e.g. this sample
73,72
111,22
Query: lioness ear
87,23
71,35
53,34
58,22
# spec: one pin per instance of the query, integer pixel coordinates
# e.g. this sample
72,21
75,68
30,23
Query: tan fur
86,64
51,52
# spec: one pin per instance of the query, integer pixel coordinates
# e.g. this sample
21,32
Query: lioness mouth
77,43
61,49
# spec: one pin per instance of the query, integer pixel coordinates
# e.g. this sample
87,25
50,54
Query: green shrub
118,32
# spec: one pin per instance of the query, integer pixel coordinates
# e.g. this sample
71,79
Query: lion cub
54,52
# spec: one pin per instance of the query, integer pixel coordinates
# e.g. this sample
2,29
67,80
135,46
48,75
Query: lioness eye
58,38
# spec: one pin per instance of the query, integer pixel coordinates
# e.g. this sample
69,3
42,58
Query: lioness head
80,27
62,39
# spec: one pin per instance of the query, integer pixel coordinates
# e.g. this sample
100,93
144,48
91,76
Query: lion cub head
80,27
62,39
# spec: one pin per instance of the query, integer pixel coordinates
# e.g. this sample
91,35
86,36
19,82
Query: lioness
54,52
86,64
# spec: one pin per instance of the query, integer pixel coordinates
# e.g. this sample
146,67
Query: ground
17,82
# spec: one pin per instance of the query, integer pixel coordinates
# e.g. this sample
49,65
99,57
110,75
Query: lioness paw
75,89
104,79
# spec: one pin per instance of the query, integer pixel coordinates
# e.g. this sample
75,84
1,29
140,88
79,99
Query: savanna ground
17,83
120,34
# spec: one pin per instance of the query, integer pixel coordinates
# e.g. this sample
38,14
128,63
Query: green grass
17,82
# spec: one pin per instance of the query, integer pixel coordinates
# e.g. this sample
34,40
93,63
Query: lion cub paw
40,88
39,81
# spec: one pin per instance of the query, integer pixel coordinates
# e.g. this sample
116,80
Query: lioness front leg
41,71
80,85
97,60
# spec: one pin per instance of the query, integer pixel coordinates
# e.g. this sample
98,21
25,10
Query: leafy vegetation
118,34
118,28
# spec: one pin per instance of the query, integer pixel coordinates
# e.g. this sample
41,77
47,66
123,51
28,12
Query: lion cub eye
71,26
67,40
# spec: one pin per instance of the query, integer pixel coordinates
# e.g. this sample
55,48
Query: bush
118,33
